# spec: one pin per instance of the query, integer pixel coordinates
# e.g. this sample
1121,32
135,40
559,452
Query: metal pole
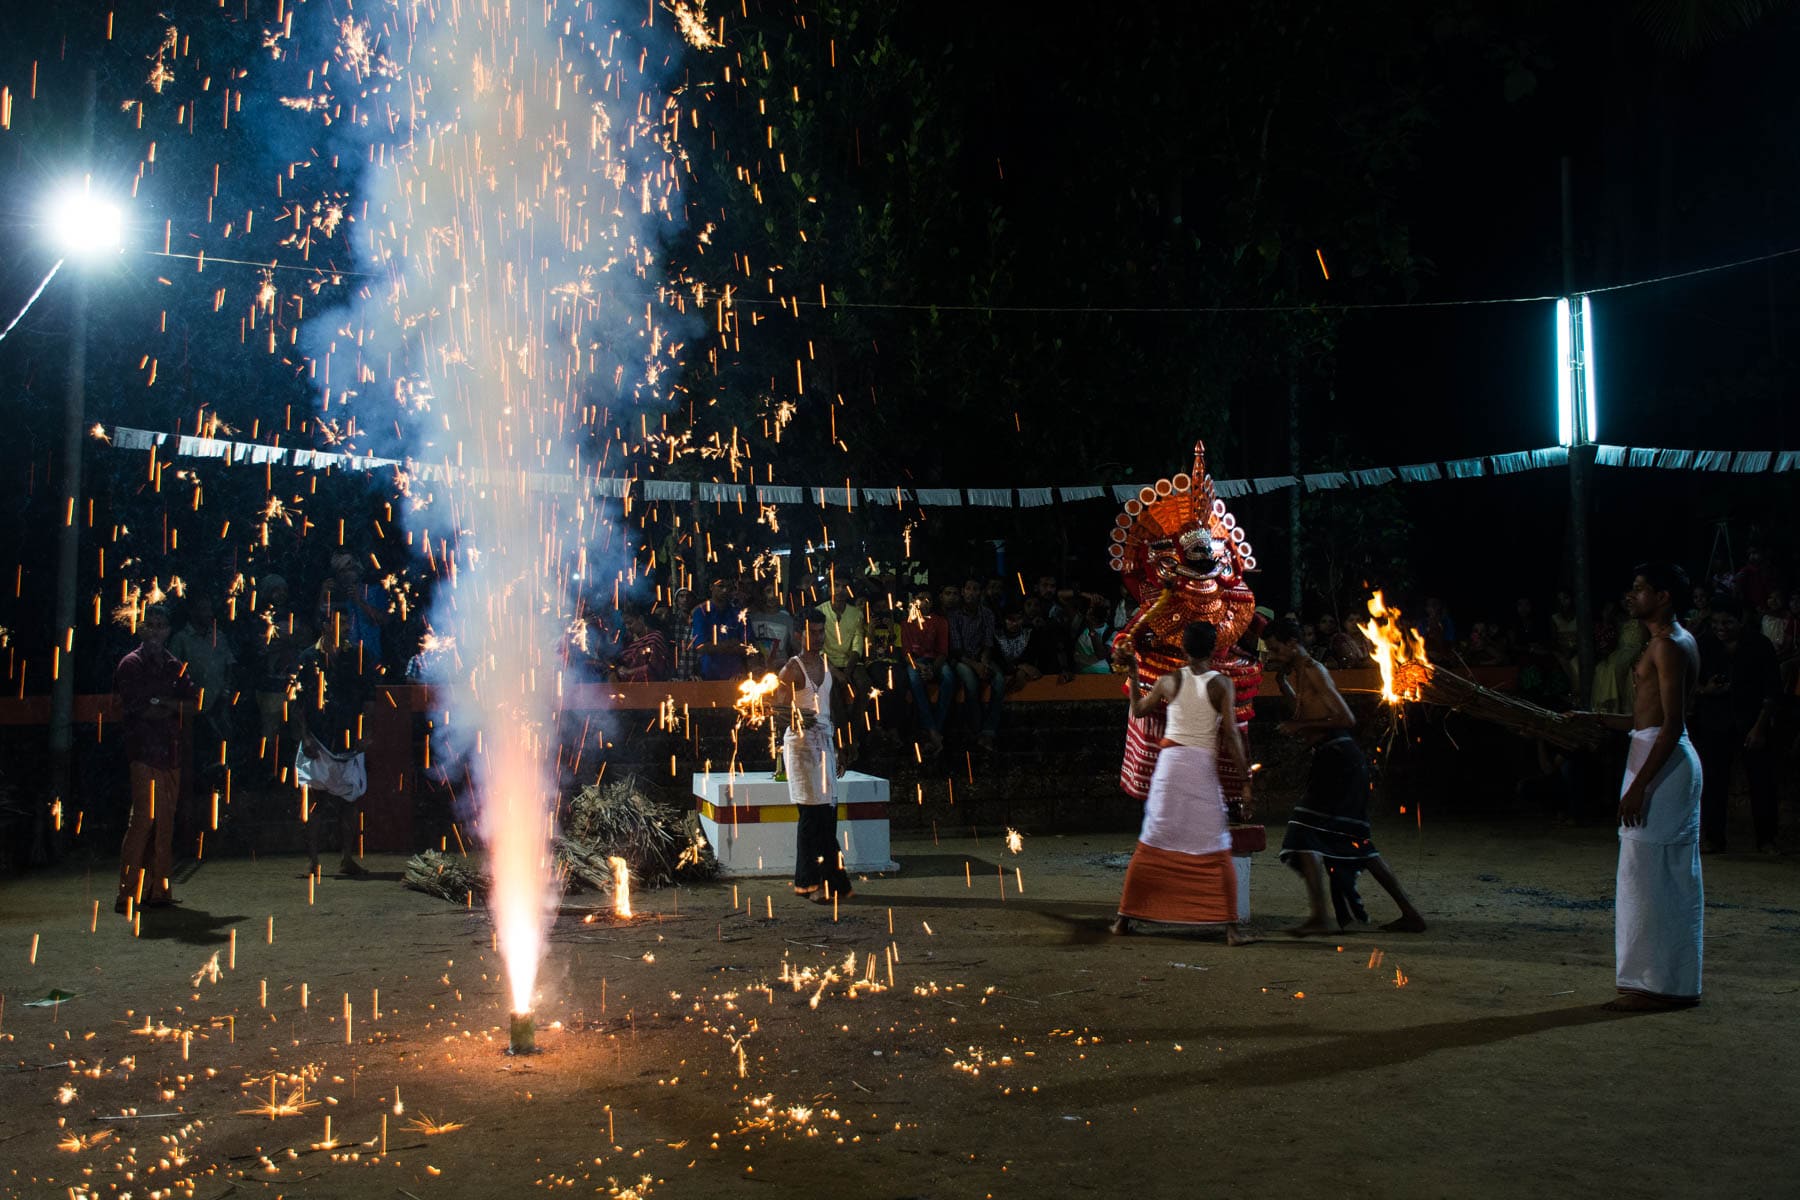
1581,455
68,535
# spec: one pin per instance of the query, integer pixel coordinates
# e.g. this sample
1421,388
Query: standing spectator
151,686
205,650
772,631
281,635
971,652
993,594
1778,624
354,609
1753,582
681,630
925,643
1046,592
1565,637
846,649
646,657
720,637
332,688
1740,686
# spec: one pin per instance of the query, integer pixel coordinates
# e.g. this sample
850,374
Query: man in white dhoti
809,753
1659,902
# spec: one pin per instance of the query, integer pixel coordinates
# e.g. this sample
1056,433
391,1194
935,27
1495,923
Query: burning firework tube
523,1038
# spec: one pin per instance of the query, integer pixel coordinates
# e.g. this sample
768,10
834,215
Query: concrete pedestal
749,819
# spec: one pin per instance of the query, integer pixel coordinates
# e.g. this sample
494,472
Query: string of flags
1741,462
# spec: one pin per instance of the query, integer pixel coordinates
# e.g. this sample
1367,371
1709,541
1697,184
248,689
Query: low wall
1055,767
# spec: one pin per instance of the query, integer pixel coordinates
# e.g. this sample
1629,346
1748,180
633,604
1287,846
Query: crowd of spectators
957,650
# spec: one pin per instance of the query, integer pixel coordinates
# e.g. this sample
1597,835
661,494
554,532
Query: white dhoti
810,757
1659,904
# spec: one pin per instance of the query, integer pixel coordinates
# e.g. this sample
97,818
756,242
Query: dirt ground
1020,1051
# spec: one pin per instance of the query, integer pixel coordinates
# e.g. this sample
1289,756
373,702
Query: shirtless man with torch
1331,822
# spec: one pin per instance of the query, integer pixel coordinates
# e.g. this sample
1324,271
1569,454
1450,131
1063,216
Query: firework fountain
522,175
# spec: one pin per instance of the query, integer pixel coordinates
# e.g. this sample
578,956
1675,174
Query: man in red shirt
151,684
925,638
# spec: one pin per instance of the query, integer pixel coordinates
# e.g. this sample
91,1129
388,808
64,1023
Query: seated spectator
1319,645
925,643
646,657
1484,648
1438,628
972,630
1699,616
1051,651
1349,648
885,627
1093,645
1011,642
721,640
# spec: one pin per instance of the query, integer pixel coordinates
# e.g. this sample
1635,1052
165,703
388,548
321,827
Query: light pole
1576,426
83,226
1575,429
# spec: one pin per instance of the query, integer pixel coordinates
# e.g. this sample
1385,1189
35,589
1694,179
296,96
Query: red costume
1184,557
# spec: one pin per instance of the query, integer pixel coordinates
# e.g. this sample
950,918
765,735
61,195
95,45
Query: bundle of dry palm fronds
659,842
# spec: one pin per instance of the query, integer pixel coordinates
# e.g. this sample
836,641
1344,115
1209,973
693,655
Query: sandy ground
1020,1051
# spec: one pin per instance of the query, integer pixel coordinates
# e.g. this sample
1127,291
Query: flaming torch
1407,673
753,697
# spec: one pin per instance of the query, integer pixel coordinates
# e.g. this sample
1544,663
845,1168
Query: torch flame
1399,653
753,695
621,886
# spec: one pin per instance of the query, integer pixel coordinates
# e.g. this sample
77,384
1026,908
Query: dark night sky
1703,362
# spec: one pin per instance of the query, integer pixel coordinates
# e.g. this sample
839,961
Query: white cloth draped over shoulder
1660,901
810,754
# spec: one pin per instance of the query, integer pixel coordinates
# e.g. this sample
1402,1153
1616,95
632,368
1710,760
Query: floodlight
1591,430
83,224
1565,377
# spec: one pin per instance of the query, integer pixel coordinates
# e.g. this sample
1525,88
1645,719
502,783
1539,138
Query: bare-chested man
1330,825
1660,902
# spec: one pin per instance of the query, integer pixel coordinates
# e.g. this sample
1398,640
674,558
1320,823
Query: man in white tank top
809,752
1181,872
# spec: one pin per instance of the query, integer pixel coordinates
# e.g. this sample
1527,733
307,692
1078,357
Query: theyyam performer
1660,902
810,757
1183,557
1181,871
